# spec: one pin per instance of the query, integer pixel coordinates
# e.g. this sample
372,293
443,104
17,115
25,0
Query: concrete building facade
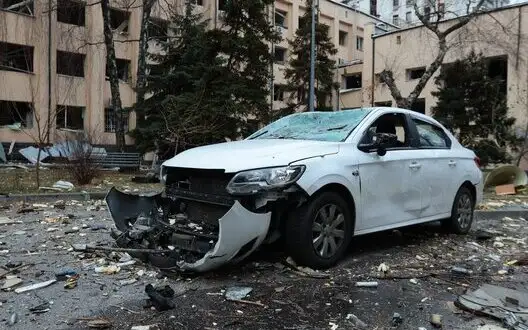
53,60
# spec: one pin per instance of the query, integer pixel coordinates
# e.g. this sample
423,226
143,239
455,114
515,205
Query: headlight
253,181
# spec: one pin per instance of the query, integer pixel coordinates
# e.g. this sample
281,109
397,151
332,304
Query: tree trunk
37,167
142,55
113,76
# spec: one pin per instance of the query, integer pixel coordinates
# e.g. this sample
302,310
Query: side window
431,136
391,123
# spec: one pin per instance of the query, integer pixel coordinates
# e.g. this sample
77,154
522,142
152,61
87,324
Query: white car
317,179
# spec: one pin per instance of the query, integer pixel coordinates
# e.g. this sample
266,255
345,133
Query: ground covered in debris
413,269
22,180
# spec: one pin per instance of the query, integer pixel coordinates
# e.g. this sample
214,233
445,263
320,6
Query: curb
492,215
56,196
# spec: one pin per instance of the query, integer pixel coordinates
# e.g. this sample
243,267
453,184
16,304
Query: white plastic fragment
35,286
367,284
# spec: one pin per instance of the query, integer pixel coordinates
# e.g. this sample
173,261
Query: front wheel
461,212
319,232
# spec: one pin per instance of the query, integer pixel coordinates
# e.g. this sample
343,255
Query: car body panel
250,154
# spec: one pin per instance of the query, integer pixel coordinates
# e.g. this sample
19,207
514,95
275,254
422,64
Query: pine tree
473,105
297,73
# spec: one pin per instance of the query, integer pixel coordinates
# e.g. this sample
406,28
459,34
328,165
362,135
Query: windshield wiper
336,128
259,135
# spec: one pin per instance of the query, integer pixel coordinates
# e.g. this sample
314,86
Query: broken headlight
254,181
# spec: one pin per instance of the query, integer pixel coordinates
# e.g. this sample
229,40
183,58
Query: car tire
333,232
461,213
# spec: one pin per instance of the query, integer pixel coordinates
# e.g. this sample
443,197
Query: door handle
415,165
452,163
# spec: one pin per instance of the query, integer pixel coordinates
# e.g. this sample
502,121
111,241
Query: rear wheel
319,232
461,212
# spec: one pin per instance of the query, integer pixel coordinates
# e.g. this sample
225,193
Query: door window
431,136
391,123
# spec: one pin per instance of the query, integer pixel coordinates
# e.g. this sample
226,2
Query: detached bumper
142,224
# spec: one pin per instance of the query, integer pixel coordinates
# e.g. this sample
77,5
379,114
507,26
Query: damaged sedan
312,180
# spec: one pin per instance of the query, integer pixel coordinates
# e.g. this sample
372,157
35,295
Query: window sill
64,129
350,90
68,76
17,13
9,69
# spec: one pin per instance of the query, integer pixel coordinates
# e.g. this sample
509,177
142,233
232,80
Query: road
419,282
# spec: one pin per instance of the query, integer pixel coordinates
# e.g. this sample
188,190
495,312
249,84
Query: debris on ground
436,320
508,305
42,308
160,297
356,322
10,282
396,319
367,284
99,323
35,286
237,292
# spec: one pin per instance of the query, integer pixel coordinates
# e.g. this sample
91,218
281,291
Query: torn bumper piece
143,222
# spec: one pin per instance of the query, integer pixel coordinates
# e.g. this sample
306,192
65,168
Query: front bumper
239,233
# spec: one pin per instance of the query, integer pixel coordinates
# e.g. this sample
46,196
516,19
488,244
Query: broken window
119,20
416,73
70,64
12,113
343,36
70,117
158,29
278,93
280,18
280,55
431,136
16,57
498,69
395,20
419,106
110,120
395,3
222,4
427,12
123,70
390,123
398,40
71,12
374,7
352,81
359,43
17,6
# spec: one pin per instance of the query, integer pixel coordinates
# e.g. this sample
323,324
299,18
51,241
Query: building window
12,113
158,29
17,6
416,73
70,64
352,81
408,17
280,55
398,40
431,136
395,20
419,106
374,8
110,121
222,4
395,3
383,104
343,36
70,117
427,12
359,43
441,10
119,20
16,57
278,93
123,70
409,3
71,12
281,18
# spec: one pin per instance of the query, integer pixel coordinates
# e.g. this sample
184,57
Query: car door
390,184
438,167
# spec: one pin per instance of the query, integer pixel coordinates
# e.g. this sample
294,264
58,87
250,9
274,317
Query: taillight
477,161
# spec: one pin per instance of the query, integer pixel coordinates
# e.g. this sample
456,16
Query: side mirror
380,143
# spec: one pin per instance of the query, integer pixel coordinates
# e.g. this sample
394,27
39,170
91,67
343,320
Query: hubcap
328,230
464,211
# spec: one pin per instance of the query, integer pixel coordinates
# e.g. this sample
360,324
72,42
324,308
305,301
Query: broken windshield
318,126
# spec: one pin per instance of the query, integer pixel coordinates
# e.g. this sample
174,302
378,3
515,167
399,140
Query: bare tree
441,34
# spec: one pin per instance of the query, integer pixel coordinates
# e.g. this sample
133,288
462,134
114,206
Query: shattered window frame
20,7
350,81
70,64
13,112
124,72
110,121
333,126
15,57
64,115
433,130
71,12
118,18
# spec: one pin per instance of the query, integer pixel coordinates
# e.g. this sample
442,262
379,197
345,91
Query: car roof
401,110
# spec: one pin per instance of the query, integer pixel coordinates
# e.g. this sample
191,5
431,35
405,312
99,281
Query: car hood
248,154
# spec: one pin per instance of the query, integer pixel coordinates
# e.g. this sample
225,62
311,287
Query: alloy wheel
328,230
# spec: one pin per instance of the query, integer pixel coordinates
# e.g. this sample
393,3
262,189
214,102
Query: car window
391,123
431,136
